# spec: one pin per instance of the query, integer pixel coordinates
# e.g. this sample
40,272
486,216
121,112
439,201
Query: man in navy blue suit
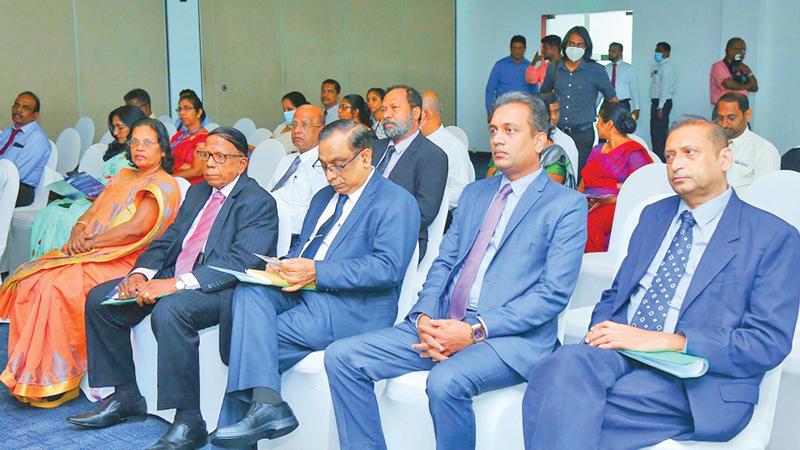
506,268
706,274
222,221
357,239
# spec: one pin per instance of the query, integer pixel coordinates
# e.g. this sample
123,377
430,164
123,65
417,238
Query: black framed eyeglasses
220,158
336,169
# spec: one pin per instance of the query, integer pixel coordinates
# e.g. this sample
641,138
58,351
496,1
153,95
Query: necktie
385,161
292,169
458,302
652,311
614,75
316,242
10,140
191,250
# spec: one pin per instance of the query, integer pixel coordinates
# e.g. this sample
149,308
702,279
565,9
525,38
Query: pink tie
191,250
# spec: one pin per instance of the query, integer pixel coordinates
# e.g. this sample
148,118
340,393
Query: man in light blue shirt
508,75
26,145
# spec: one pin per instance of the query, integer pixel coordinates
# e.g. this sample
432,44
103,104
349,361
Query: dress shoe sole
276,429
137,418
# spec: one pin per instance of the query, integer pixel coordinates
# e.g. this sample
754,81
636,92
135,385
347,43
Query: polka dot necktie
652,311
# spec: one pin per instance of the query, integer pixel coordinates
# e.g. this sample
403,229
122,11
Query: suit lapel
407,155
222,216
529,197
310,220
358,210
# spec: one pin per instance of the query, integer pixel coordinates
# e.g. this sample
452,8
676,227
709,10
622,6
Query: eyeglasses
185,108
335,169
219,158
147,143
344,106
306,125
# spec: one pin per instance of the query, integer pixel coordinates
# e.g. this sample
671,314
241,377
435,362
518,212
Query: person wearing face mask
731,73
577,80
283,132
662,88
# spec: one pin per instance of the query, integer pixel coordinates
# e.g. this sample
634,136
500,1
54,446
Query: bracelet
81,223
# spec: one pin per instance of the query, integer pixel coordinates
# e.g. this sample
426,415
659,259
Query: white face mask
575,53
738,57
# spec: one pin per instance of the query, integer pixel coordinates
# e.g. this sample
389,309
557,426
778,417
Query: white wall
183,47
697,32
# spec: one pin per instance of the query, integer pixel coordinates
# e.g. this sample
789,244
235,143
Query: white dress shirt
332,114
352,199
753,157
706,217
459,167
399,149
625,84
296,193
662,81
568,144
188,279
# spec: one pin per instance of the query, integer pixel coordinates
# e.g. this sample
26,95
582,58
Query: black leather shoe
262,421
181,436
110,412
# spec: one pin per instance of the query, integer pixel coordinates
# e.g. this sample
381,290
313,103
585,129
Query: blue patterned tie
289,172
323,231
652,311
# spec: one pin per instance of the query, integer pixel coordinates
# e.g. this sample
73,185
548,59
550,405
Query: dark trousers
583,135
659,127
626,103
175,320
25,195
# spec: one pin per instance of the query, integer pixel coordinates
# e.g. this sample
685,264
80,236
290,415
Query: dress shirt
506,76
662,82
626,86
188,279
296,193
566,142
332,114
459,167
753,157
719,73
577,91
29,152
399,149
706,218
352,199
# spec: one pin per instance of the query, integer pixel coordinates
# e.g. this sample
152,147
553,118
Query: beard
397,129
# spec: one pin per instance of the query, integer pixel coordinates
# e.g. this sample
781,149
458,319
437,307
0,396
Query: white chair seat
264,161
85,128
246,126
107,138
258,136
69,150
92,161
9,188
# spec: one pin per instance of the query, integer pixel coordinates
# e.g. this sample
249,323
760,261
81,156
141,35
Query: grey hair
539,119
358,136
715,132
435,106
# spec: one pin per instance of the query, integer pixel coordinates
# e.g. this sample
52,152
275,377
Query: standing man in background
551,52
623,79
731,74
329,96
508,74
662,88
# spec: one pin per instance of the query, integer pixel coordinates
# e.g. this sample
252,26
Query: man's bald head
431,112
306,125
713,132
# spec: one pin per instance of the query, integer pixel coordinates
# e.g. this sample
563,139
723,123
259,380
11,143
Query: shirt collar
310,156
400,147
742,137
708,211
355,195
25,129
333,109
520,185
226,191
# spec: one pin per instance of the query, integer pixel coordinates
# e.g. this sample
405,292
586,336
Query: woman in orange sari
609,164
44,298
190,138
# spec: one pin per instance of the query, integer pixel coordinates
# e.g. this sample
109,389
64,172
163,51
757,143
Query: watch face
478,334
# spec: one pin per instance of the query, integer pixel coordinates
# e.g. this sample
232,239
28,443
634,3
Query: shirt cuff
148,273
485,328
189,281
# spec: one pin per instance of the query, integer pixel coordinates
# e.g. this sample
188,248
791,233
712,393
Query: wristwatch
180,285
478,333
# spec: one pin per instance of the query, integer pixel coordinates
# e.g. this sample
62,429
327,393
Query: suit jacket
531,277
246,223
422,171
358,283
739,312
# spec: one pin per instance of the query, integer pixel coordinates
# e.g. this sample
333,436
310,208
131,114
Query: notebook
678,364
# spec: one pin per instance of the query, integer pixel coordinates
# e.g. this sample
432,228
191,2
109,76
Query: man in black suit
408,158
222,221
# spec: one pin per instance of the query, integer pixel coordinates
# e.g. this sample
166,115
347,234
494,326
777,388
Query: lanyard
183,138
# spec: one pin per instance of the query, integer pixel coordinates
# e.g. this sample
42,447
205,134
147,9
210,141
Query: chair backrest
9,187
435,234
245,125
210,127
410,288
642,184
258,136
459,133
264,161
775,192
92,160
69,150
166,119
85,127
106,138
49,175
183,185
629,225
284,228
171,130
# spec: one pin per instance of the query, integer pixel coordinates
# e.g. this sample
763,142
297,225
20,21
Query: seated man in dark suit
408,158
357,239
706,274
222,221
506,268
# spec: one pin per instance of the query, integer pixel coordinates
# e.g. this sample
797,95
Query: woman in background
283,132
374,102
186,141
353,107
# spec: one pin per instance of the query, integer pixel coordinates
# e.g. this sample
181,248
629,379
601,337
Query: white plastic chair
85,127
69,150
284,229
264,161
258,136
183,185
435,235
211,127
92,160
106,138
166,119
459,133
245,125
171,130
9,188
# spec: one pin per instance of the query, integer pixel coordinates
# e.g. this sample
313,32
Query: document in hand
112,298
262,277
678,364
77,185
